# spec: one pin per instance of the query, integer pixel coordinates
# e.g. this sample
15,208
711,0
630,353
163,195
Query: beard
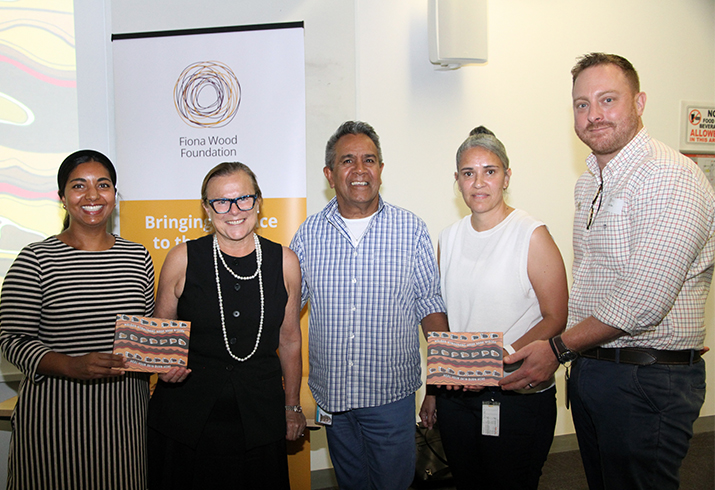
613,141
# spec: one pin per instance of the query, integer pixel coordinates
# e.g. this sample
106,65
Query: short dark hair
350,127
75,160
595,59
484,138
228,168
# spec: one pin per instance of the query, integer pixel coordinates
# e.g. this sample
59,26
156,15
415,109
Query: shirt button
237,286
233,340
354,280
229,367
353,308
350,363
236,314
352,336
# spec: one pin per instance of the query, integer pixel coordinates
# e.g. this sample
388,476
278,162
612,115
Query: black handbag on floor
431,469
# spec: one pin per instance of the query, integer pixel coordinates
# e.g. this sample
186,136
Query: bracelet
509,349
294,408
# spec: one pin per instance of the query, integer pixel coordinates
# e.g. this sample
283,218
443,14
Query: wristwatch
563,354
294,408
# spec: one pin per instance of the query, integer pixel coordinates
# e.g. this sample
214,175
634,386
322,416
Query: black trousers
514,459
220,460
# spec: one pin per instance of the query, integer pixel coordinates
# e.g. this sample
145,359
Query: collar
333,216
628,154
332,213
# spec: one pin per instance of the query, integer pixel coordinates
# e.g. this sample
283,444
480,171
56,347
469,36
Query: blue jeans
634,423
514,459
374,448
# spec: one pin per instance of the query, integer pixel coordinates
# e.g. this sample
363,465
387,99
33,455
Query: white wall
367,59
523,94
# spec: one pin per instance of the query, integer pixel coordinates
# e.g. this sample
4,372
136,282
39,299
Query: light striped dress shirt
366,303
646,263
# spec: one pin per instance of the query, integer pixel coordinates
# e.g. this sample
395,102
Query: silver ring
530,385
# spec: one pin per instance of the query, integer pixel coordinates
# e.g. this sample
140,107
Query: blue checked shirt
366,303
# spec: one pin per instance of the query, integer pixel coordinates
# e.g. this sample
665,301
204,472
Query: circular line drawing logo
207,94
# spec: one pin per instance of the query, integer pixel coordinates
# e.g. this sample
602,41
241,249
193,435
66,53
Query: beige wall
367,59
523,95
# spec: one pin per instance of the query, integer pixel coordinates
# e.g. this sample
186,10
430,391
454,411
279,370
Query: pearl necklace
259,261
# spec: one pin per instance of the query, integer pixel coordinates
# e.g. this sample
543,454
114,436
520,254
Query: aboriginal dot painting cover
152,345
464,358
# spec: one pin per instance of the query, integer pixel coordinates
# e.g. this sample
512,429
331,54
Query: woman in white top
501,271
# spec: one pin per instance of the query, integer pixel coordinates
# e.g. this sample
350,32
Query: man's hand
539,365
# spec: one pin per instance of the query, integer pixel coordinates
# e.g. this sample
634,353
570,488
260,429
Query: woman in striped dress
80,419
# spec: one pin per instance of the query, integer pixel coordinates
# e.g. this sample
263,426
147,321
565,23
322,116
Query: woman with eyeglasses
226,425
500,272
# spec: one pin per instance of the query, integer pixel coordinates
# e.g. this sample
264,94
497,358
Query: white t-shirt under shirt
357,227
485,282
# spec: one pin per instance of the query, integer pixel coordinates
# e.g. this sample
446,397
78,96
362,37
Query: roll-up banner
188,100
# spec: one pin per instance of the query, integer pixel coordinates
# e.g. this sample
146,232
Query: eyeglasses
243,203
593,212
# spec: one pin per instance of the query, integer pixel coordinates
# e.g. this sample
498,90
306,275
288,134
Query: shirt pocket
609,235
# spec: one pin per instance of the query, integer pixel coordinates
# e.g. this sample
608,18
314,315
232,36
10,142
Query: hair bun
480,130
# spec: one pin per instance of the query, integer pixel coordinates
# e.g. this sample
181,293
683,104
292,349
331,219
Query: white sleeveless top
484,277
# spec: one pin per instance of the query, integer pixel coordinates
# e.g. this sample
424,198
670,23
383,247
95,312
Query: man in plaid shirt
369,272
644,249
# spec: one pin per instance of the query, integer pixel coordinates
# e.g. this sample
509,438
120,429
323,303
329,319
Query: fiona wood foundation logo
207,94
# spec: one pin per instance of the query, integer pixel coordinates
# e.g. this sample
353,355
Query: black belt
643,357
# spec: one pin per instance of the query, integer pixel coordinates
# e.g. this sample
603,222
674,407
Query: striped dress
67,433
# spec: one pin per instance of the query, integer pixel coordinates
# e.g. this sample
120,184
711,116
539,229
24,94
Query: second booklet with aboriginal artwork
464,358
152,345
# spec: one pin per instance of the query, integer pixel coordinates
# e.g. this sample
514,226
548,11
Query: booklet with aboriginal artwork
464,358
152,345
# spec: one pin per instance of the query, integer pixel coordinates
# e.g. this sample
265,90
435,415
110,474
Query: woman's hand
295,425
473,388
428,411
95,365
175,375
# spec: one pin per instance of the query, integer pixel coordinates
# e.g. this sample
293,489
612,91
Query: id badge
490,418
322,417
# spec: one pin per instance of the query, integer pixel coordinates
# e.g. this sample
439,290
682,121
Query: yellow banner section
161,225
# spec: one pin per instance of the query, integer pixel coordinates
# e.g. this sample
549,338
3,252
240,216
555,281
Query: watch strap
560,346
563,353
553,348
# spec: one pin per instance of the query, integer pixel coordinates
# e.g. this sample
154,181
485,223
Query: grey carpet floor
564,471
